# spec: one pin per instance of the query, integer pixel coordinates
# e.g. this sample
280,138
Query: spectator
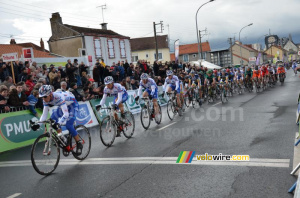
17,97
33,67
27,66
133,84
23,76
16,72
107,71
30,84
33,100
77,72
52,74
101,67
128,84
8,82
102,63
137,73
3,99
123,83
155,68
130,70
160,82
44,68
73,89
70,70
62,72
83,68
42,81
39,104
84,78
63,86
2,70
121,71
92,90
86,94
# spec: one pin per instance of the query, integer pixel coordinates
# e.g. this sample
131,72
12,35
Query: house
291,47
276,52
220,57
241,54
145,49
189,52
73,41
38,51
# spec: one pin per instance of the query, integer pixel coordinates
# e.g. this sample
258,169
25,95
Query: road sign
10,57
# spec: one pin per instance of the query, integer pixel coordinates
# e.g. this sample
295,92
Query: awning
205,64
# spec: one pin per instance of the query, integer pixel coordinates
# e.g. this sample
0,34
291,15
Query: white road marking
14,195
259,162
167,126
216,104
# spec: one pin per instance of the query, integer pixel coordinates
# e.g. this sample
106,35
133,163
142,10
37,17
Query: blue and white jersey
149,85
64,100
60,98
174,81
118,88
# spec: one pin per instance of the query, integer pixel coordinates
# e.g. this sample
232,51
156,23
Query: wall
67,47
274,51
89,44
246,54
291,46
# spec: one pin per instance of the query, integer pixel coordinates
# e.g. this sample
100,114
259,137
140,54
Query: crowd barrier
15,131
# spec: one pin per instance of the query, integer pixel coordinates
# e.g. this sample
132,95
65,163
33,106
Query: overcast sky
28,21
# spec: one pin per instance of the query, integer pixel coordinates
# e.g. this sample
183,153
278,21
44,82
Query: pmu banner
15,131
104,112
162,100
85,115
176,50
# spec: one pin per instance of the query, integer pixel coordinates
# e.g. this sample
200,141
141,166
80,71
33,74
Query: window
185,58
134,58
122,49
203,55
147,55
111,50
159,56
97,47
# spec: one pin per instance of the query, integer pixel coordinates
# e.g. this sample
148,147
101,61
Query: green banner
15,130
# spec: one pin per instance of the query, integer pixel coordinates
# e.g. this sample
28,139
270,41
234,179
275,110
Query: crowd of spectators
22,92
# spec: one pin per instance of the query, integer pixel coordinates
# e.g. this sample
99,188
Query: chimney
42,44
104,26
55,20
12,41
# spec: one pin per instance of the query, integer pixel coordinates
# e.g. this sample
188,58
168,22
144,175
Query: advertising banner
132,106
10,57
15,131
162,100
104,112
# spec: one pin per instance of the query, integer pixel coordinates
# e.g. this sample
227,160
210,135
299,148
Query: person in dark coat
70,70
17,97
73,89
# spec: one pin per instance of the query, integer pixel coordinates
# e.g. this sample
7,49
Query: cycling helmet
227,70
169,72
223,70
45,90
192,72
186,77
108,80
144,76
201,72
215,71
209,72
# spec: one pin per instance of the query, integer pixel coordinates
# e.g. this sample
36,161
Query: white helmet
108,80
45,90
169,72
144,76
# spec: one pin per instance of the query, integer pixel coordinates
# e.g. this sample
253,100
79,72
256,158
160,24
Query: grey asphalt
263,126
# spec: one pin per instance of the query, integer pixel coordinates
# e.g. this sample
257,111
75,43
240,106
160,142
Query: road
261,125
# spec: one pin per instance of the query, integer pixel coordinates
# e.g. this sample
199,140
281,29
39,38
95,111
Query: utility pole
201,54
231,57
155,37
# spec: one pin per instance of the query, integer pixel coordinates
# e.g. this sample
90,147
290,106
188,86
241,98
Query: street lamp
241,61
197,26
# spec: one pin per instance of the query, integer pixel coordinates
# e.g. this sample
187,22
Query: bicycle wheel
158,117
108,131
187,100
195,101
85,138
171,109
129,126
145,117
45,154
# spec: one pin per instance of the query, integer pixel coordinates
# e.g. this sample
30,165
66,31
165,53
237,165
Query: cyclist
120,94
196,82
223,78
271,73
257,75
65,115
294,67
210,81
281,70
151,90
264,74
239,77
172,83
248,76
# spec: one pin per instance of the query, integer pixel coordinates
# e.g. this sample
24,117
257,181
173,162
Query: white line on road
216,104
259,162
15,195
166,126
